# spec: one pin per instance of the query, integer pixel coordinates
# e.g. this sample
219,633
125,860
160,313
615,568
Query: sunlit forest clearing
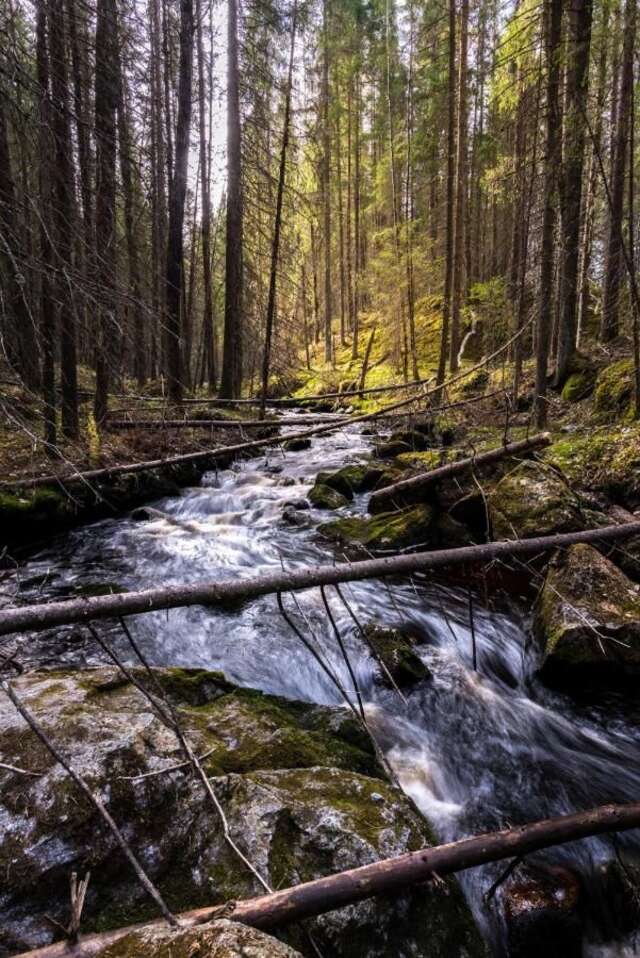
319,479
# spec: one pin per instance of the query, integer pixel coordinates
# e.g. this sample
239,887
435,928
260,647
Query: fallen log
400,493
45,615
220,423
391,875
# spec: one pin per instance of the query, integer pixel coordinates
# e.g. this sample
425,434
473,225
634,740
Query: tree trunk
552,30
579,18
275,248
614,266
177,196
326,183
63,216
106,102
205,226
451,175
231,380
459,267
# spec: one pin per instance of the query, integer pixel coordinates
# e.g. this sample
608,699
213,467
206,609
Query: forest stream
475,749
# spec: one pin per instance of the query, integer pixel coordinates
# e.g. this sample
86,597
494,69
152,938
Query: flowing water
475,749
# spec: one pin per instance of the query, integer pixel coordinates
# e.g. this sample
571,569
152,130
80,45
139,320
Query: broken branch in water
216,592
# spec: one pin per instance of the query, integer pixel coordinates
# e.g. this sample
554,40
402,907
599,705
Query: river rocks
295,516
400,442
324,497
532,500
541,912
297,445
218,939
301,789
396,650
587,618
386,532
613,396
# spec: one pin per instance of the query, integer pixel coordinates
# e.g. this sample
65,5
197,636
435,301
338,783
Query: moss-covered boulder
217,939
351,479
605,460
394,650
407,440
43,509
587,619
300,786
533,500
324,497
613,396
386,532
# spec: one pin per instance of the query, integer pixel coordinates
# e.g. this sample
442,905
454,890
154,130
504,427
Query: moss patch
387,531
613,396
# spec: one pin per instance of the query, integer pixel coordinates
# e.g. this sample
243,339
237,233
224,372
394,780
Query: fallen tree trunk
45,615
220,423
308,899
405,491
246,446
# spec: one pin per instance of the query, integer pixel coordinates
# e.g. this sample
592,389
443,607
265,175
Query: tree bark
579,15
614,266
326,184
231,380
219,593
277,226
459,265
205,226
552,31
106,102
177,196
451,211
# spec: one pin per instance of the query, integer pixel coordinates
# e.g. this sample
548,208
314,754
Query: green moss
532,500
613,396
578,386
475,383
324,497
606,459
387,531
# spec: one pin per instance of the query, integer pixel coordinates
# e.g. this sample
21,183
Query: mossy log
317,897
408,489
44,615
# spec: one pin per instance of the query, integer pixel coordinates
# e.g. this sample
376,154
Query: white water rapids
475,750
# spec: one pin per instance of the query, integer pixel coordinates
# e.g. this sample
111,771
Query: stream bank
474,748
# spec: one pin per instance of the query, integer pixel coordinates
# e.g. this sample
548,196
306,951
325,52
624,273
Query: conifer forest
319,479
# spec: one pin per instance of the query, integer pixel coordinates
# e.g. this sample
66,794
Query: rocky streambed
510,710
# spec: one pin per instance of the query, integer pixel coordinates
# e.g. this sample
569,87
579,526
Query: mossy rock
324,497
217,939
475,383
579,385
614,391
392,448
350,479
532,500
38,512
299,784
386,532
606,460
587,619
396,650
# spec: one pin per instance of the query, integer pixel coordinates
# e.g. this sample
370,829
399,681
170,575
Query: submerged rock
297,445
541,912
218,939
587,618
385,532
532,500
396,649
301,789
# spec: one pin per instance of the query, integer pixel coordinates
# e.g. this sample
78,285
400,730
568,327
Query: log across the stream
224,592
289,905
408,489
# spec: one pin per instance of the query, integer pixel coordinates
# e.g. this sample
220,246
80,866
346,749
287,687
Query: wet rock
218,939
300,786
385,532
532,500
541,912
409,440
297,445
391,449
324,497
619,899
295,517
471,512
587,619
396,649
299,503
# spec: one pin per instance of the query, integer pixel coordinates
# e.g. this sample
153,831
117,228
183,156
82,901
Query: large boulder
217,939
386,532
533,500
301,789
614,391
587,619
